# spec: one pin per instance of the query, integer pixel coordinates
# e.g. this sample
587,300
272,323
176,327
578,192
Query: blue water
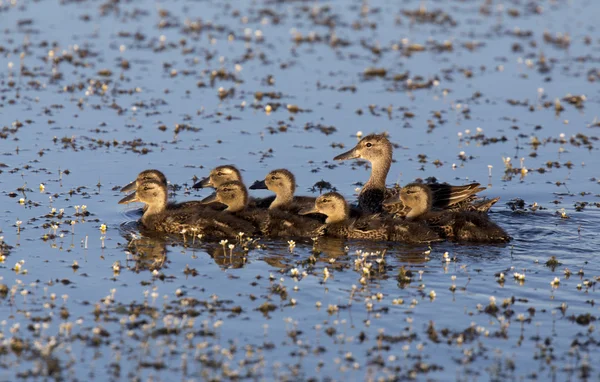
215,330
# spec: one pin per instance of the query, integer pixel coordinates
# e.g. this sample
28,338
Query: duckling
273,222
283,183
229,173
218,176
377,149
373,227
205,221
467,226
150,174
159,177
232,194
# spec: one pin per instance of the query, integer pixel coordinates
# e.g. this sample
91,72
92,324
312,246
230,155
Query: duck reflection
147,251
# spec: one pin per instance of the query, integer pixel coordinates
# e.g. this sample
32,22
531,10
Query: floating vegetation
470,91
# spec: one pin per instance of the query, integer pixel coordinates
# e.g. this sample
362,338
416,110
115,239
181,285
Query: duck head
218,176
150,192
143,176
374,148
282,182
332,204
233,194
417,197
377,149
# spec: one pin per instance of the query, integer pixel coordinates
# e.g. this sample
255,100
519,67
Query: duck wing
368,227
476,227
445,195
188,204
304,201
479,205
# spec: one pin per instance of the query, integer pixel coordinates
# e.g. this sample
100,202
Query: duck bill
204,183
129,199
130,187
259,185
210,199
351,154
308,210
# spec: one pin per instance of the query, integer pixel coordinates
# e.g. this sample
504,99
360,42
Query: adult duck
377,149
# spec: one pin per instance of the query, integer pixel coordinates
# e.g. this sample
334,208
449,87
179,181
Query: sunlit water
92,93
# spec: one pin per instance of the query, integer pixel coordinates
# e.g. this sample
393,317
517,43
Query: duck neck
418,210
153,209
379,171
282,199
339,216
236,206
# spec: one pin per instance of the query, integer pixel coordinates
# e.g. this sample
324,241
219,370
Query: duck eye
273,177
369,144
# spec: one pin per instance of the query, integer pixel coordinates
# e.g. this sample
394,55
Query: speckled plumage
371,227
465,226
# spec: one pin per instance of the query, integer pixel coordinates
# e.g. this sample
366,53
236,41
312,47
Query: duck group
416,213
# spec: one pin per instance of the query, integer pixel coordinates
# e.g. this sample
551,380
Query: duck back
207,222
466,226
412,232
282,223
478,228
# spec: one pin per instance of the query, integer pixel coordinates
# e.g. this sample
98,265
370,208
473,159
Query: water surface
94,92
